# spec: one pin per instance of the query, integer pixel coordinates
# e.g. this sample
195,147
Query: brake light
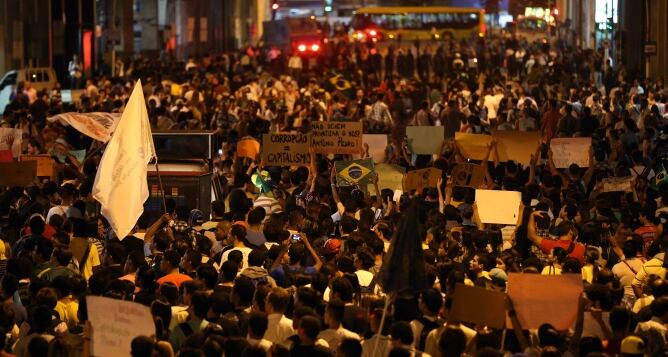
315,47
373,33
301,47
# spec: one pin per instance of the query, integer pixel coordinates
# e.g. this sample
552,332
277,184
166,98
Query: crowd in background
301,267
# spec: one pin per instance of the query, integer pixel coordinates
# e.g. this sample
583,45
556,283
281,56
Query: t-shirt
245,251
78,247
174,278
578,252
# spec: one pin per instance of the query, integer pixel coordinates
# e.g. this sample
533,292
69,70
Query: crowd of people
294,265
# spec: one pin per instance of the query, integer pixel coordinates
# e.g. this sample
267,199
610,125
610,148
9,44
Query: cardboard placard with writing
336,137
540,299
377,145
115,323
423,178
567,151
18,173
517,146
389,176
473,146
468,175
478,306
498,207
45,164
248,147
424,140
354,172
285,149
618,184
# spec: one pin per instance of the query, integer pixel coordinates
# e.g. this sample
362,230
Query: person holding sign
567,233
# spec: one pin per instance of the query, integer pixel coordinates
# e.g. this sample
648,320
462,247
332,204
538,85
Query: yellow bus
372,24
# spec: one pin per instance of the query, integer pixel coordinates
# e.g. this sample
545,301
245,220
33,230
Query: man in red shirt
648,230
567,233
170,265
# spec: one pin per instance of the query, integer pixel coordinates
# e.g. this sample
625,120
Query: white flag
98,125
120,185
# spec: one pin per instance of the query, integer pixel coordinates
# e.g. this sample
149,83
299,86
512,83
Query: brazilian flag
354,173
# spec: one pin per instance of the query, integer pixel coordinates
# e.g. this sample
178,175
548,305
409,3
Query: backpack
291,277
428,326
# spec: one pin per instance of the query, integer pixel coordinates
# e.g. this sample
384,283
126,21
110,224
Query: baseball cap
633,345
332,246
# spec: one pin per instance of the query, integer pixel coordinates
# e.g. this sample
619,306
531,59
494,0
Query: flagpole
162,190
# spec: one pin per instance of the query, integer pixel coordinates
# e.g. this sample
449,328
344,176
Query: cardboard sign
115,323
567,151
418,179
282,149
18,173
478,306
377,145
517,146
498,207
473,146
336,137
389,176
468,175
355,172
45,164
248,148
424,140
540,299
618,184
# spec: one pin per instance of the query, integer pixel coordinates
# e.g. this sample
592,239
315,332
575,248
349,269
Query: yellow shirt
78,247
67,309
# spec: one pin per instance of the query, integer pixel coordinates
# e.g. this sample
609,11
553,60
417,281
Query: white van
39,77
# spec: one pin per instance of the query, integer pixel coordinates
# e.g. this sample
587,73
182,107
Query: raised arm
335,193
531,230
314,254
153,229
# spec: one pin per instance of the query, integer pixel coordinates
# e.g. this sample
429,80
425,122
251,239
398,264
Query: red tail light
315,47
301,47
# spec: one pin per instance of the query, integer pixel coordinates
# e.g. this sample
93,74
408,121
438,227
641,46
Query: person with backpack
198,310
429,303
289,274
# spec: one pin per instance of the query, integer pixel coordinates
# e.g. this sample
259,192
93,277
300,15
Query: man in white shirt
333,318
237,237
279,327
257,327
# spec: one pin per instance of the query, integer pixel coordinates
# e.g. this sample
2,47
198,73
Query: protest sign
540,299
377,145
18,173
248,147
336,137
567,151
478,306
285,149
473,146
424,140
115,323
618,184
517,146
355,172
498,207
418,179
45,164
468,175
389,176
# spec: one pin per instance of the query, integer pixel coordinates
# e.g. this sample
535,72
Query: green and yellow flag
355,172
